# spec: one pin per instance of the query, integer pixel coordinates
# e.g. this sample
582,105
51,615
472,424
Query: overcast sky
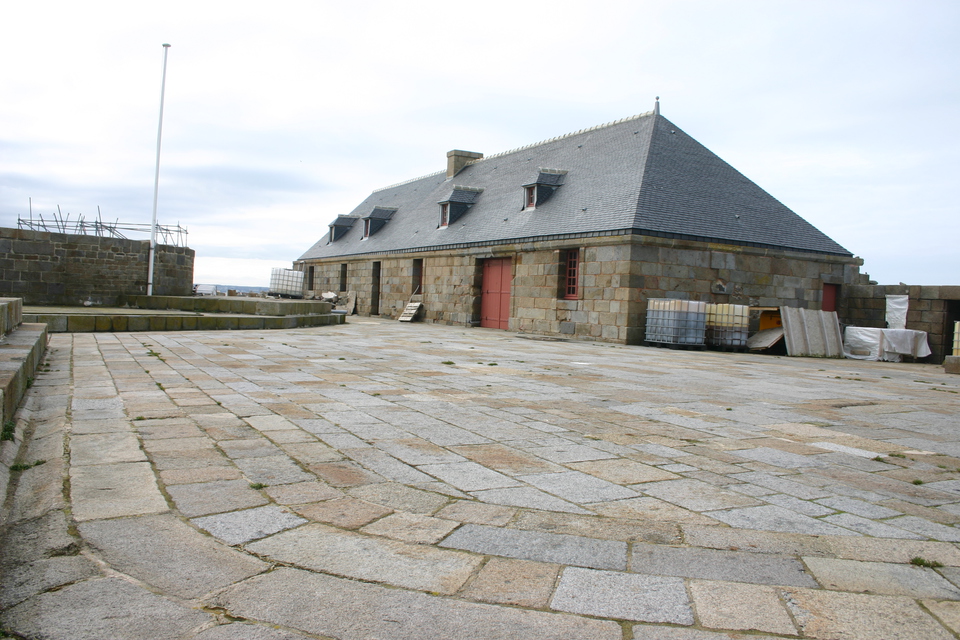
280,116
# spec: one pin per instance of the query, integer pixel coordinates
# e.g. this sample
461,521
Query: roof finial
656,107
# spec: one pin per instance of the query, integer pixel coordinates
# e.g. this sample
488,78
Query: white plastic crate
727,325
286,282
676,321
956,338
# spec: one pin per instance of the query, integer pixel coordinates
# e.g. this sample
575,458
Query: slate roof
639,175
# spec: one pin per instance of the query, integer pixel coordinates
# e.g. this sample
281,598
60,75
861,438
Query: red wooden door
495,293
830,292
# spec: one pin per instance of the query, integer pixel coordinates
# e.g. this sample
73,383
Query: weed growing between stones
24,467
923,562
8,429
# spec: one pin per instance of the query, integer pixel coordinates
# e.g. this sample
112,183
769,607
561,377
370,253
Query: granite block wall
47,268
617,276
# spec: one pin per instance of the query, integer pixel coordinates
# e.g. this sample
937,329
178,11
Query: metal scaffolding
60,223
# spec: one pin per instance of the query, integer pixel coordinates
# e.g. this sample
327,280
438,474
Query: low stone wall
106,322
60,269
230,304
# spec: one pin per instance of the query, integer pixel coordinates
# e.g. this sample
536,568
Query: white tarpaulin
868,343
897,311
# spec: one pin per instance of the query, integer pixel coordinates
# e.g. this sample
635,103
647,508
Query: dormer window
539,190
456,204
376,220
530,199
340,227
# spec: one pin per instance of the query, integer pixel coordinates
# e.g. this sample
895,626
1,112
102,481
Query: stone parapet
57,268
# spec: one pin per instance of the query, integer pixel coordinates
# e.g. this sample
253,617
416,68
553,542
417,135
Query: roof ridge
566,135
527,146
400,184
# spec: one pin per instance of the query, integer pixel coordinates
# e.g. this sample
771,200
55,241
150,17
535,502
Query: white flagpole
156,179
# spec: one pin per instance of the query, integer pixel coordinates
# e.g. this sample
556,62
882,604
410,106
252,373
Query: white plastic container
727,325
286,282
676,321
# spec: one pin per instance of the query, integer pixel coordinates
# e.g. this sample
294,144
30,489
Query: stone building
571,236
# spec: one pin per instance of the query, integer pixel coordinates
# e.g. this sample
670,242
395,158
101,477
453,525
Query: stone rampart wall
59,269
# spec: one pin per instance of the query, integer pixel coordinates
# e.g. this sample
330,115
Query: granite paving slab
469,476
246,631
272,470
203,498
371,558
540,546
747,607
105,448
658,632
884,578
347,610
578,487
710,564
302,492
925,528
521,583
26,579
399,496
238,527
696,495
829,614
114,490
622,471
168,554
858,507
623,596
870,527
345,512
386,465
410,527
102,608
774,518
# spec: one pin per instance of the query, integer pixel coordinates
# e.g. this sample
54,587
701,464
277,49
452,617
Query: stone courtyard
378,480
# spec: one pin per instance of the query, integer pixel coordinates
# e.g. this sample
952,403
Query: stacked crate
680,322
956,338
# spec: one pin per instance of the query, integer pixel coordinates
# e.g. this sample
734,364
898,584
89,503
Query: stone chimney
457,160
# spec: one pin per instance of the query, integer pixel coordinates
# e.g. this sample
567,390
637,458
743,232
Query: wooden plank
765,339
